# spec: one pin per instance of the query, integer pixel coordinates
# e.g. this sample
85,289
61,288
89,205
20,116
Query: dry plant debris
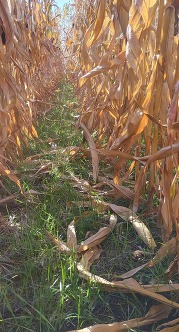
88,251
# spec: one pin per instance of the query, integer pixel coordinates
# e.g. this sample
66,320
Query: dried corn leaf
94,154
97,238
90,256
141,229
172,326
98,22
60,244
172,113
167,45
127,285
155,313
166,249
10,174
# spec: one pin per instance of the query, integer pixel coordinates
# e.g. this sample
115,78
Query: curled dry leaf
90,256
71,232
141,229
97,238
129,216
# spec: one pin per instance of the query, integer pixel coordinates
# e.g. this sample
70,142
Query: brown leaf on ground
172,269
97,238
141,229
172,326
155,313
90,256
44,168
8,199
166,249
62,246
129,285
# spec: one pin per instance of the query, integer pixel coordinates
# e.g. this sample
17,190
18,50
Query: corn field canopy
122,57
125,64
31,67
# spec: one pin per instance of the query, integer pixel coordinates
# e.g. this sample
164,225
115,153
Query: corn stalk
31,67
125,56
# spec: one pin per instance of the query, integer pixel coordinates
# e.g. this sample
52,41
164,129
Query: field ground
40,287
